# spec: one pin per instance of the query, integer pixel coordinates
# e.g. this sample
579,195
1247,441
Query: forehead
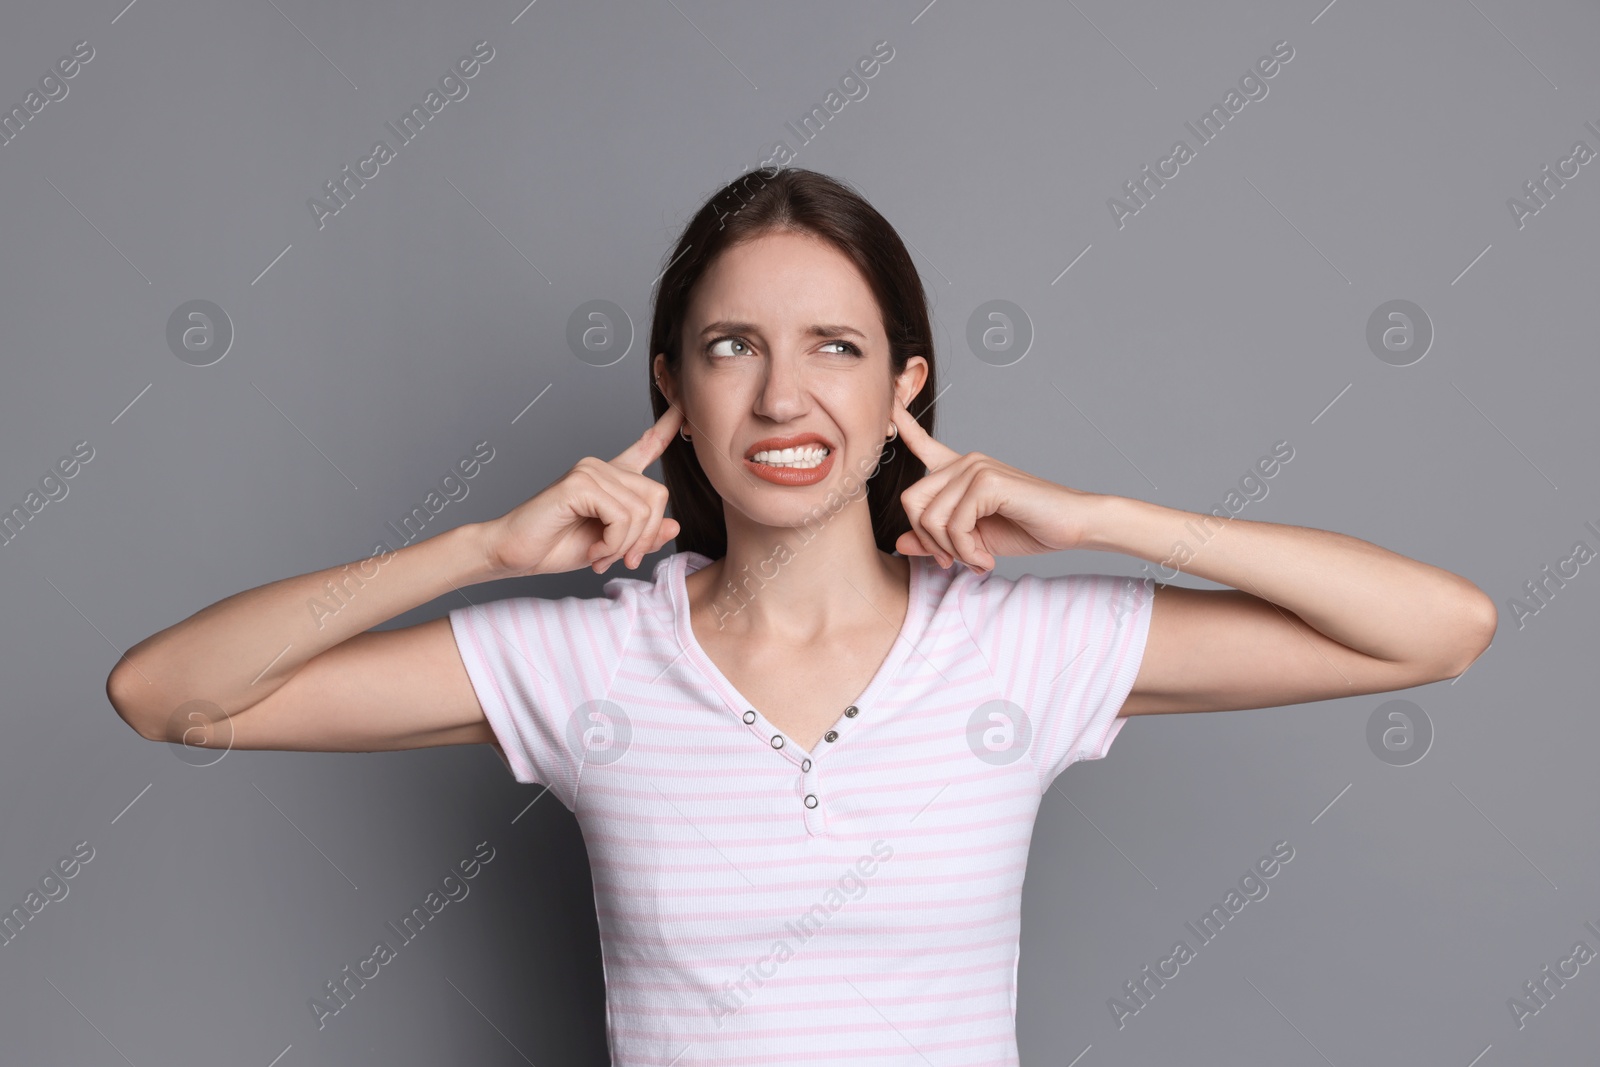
784,282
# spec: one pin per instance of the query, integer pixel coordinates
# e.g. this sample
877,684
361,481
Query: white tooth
803,457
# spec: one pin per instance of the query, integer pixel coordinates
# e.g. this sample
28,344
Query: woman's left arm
1311,614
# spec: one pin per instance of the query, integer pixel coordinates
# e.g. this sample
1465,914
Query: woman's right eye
713,348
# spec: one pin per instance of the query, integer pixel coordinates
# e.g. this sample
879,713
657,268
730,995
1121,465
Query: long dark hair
757,203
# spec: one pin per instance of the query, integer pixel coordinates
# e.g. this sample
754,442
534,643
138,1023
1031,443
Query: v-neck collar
685,563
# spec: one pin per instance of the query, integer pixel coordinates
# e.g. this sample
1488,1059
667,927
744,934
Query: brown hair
754,204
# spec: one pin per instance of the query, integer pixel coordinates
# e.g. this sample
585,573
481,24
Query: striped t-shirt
856,904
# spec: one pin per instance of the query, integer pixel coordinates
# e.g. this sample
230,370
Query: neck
802,582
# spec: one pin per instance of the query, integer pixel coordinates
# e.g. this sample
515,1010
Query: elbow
121,687
1479,619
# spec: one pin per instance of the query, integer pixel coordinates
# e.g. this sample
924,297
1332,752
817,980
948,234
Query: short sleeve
1065,649
534,663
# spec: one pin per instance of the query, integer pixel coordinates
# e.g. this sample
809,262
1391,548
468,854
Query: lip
794,441
790,475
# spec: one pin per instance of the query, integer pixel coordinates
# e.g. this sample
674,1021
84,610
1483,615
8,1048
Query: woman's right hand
595,514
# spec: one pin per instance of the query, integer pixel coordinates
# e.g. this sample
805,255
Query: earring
894,431
683,435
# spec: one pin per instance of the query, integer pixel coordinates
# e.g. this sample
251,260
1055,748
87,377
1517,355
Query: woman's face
783,338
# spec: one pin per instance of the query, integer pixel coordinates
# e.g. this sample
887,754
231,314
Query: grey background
1228,314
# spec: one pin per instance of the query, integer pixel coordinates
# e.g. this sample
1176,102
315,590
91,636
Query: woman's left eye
849,348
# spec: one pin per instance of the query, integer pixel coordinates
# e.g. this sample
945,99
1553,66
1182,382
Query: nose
783,394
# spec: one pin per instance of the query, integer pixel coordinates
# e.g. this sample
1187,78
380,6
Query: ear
663,377
910,381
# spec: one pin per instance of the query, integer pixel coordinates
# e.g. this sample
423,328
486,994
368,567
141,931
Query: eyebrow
816,329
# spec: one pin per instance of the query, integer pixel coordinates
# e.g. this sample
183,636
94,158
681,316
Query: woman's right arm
295,664
293,667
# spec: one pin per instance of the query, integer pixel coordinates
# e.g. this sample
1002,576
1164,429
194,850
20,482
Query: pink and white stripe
739,925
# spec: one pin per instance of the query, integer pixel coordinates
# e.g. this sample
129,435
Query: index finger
922,444
643,452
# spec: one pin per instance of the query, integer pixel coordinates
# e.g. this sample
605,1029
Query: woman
807,753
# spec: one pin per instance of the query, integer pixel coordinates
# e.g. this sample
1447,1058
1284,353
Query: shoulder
990,602
604,620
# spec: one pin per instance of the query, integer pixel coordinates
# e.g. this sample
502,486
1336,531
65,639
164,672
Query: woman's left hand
972,507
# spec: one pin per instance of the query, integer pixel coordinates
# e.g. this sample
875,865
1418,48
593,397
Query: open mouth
796,460
806,457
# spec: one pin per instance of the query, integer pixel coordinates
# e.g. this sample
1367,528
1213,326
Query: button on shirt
739,880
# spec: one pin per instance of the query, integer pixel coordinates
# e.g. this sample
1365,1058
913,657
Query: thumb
909,544
669,529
